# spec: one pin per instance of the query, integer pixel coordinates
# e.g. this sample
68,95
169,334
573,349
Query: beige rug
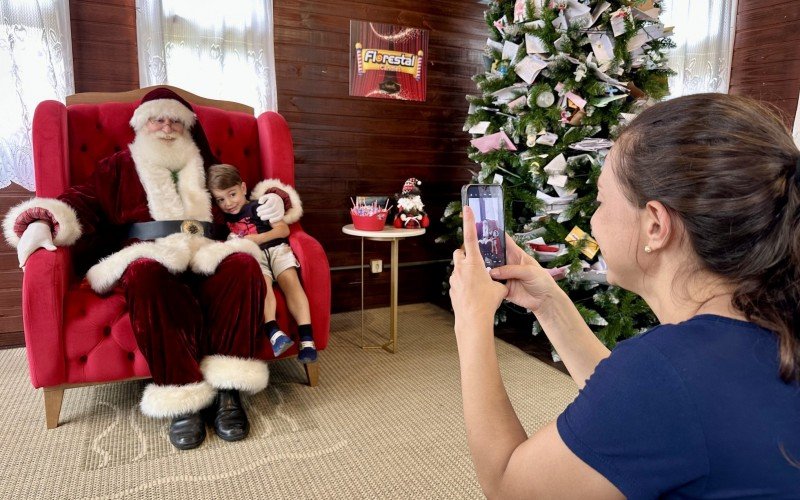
379,425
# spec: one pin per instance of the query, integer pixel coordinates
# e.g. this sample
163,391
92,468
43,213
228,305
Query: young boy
277,263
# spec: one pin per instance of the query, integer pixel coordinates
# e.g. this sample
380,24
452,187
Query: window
221,50
35,65
704,32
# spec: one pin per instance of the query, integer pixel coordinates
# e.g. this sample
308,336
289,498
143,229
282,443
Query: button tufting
246,151
83,359
230,131
131,356
84,148
107,331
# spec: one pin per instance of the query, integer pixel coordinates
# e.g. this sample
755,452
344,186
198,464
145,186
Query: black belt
161,228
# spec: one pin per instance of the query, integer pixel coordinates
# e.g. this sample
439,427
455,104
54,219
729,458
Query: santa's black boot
187,431
230,419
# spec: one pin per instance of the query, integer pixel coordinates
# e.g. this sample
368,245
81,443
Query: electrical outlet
376,265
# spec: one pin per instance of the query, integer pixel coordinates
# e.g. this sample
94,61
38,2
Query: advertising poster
388,61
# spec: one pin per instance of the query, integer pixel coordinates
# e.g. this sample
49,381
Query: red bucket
373,222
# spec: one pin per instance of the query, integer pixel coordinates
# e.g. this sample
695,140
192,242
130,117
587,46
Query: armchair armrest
50,149
316,275
44,286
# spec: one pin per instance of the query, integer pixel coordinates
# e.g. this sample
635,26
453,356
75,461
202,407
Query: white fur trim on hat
206,260
174,252
162,108
230,372
293,214
173,400
69,229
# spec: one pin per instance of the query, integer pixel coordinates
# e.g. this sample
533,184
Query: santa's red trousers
179,319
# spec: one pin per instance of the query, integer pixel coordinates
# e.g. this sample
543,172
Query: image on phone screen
486,203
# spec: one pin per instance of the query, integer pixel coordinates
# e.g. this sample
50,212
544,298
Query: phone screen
486,202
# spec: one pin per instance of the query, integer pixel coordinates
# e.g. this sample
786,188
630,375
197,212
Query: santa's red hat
165,103
410,184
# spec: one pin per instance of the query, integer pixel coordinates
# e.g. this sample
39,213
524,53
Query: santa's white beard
411,203
172,155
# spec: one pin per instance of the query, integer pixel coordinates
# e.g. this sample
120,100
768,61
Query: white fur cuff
293,214
173,252
69,229
208,258
173,400
229,372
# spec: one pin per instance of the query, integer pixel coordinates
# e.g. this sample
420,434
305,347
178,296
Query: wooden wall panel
104,45
345,146
766,53
10,277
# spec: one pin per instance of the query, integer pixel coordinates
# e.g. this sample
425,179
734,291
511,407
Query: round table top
387,233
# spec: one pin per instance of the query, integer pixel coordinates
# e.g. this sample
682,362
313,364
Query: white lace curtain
704,33
220,50
35,65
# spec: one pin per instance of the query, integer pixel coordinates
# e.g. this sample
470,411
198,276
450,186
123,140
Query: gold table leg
391,345
393,298
362,292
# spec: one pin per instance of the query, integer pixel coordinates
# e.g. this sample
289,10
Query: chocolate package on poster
388,61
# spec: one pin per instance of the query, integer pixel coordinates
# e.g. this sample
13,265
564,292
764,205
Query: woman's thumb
510,272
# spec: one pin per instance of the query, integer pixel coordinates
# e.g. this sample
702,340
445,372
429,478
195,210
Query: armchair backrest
70,141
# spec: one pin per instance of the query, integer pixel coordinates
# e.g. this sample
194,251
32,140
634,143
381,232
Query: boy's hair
223,176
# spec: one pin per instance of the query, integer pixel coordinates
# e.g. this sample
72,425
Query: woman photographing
698,213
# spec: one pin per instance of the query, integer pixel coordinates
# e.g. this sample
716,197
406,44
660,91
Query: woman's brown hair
728,168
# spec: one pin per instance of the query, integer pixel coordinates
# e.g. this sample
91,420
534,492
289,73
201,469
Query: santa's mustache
164,135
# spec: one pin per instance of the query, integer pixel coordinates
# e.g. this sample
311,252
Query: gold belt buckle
192,228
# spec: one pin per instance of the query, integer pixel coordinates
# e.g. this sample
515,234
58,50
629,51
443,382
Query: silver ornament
545,99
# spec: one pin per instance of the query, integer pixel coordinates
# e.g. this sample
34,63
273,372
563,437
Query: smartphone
486,202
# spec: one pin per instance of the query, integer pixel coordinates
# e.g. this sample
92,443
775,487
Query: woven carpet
379,425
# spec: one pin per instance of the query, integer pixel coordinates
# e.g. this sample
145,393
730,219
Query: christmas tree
562,78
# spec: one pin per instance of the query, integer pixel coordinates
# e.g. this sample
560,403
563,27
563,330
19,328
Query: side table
387,234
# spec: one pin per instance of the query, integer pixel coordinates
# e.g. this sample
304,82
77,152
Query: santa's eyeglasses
160,122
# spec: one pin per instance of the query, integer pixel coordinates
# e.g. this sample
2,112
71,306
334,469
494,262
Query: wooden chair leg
53,396
312,373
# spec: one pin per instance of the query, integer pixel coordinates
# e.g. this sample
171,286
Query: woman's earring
647,249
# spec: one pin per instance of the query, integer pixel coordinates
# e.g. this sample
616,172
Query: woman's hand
529,284
475,296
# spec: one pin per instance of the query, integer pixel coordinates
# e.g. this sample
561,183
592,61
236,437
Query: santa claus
145,222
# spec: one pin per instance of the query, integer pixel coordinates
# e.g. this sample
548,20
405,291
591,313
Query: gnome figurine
410,210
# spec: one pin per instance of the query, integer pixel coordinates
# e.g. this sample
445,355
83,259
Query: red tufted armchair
75,337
